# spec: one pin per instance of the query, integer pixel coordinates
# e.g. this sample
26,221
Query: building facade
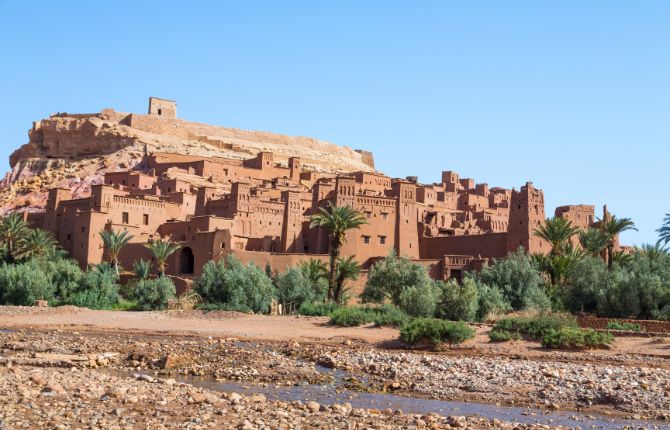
259,210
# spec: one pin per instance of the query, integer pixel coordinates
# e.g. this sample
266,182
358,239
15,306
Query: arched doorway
186,261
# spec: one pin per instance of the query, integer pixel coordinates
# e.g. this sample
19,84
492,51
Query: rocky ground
639,391
54,380
68,398
637,388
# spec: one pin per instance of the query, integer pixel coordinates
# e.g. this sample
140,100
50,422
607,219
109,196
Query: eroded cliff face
75,150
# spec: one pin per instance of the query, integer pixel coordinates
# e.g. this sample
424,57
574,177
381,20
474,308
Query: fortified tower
407,231
162,107
292,224
526,214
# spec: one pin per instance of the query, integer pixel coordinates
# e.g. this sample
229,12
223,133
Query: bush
519,280
97,289
496,335
317,309
125,305
458,302
491,302
575,338
390,277
236,285
154,294
621,325
388,316
535,327
419,301
63,274
436,331
586,282
223,307
641,289
23,284
350,317
294,289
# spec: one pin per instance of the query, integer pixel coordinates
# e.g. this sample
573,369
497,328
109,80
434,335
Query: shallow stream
328,394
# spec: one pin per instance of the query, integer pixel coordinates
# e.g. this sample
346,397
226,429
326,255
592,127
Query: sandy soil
262,327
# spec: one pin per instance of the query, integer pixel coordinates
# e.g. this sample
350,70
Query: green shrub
317,309
535,327
23,284
575,338
491,302
419,301
223,307
97,289
63,274
496,335
639,289
350,317
390,277
153,294
294,289
388,316
126,305
458,302
236,285
621,325
436,331
519,279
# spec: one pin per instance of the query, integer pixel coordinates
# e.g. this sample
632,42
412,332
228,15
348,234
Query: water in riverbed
328,394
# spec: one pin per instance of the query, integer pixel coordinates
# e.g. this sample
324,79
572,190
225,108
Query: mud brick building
259,209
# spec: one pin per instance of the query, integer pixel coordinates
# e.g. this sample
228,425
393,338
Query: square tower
162,107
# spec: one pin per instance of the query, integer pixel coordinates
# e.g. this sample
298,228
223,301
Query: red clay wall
492,245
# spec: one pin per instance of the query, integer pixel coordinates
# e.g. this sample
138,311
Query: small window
223,245
124,217
145,219
83,229
160,111
384,215
382,239
366,239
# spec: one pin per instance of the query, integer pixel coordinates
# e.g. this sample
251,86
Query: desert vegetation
592,277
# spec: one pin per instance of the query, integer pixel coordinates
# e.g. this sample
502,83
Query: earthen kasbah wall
258,210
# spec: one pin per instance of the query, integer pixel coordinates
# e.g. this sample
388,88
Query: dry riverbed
83,378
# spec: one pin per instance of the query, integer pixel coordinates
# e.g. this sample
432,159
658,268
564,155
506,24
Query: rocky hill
75,150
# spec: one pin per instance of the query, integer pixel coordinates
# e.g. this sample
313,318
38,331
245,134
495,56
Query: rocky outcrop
75,150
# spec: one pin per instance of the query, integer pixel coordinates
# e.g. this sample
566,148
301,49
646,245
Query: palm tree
557,266
621,258
557,231
315,271
593,241
347,269
161,250
664,231
142,268
36,242
113,243
653,252
612,227
13,229
337,220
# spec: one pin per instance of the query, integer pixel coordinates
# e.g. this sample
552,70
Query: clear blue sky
573,95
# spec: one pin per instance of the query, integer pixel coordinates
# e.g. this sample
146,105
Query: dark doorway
186,262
